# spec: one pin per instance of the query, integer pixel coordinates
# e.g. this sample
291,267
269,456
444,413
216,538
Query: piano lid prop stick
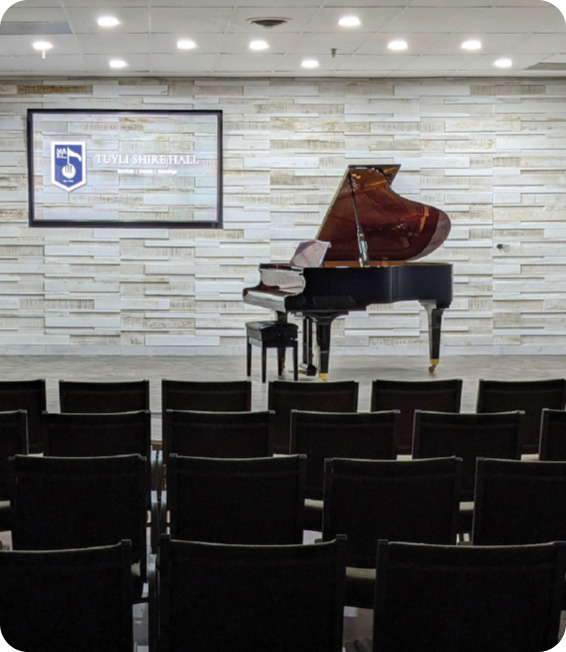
362,242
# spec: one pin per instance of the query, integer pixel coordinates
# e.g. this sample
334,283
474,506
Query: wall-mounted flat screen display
125,168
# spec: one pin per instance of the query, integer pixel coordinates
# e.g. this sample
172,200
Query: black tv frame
112,223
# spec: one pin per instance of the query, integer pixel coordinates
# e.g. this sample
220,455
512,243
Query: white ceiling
531,32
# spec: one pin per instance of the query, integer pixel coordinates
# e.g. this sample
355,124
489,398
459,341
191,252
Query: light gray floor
357,624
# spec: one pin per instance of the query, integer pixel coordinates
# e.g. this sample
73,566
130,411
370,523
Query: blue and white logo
68,165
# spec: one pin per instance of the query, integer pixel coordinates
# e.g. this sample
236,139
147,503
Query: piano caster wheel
433,365
323,377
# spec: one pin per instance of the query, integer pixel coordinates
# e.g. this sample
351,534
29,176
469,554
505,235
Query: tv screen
125,168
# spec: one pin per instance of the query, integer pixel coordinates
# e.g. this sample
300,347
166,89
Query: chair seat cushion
5,523
466,516
313,515
360,587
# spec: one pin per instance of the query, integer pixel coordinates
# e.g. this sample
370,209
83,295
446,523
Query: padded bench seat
272,335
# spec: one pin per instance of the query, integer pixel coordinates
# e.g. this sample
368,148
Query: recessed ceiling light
107,21
258,44
349,21
503,63
117,63
186,44
398,45
309,63
471,44
42,46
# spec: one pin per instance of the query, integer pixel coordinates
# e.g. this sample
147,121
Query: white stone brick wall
491,153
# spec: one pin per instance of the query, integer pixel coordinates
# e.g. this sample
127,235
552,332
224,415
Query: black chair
206,395
320,435
284,396
467,598
216,434
220,598
467,436
71,502
100,435
414,500
28,395
67,600
103,396
528,395
13,441
241,501
552,443
519,502
410,395
202,396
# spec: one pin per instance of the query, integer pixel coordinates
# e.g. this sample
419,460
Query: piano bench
272,335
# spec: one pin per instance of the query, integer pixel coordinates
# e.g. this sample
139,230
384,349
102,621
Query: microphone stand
362,242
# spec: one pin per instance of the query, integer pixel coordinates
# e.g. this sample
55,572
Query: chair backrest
528,395
244,501
13,441
104,396
99,435
552,443
519,502
216,434
28,395
67,600
72,502
410,395
206,395
285,395
459,598
414,500
255,598
320,435
468,436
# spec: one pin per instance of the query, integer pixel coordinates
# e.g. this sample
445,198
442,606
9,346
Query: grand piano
374,236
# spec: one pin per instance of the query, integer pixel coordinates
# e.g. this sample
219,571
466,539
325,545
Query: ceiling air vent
551,67
269,22
24,28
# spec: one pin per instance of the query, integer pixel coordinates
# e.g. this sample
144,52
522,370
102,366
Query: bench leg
263,363
249,359
295,361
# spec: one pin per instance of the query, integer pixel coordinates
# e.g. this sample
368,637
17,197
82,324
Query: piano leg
434,314
323,325
323,343
307,365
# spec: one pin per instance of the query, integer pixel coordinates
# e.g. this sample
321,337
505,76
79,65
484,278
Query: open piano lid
395,228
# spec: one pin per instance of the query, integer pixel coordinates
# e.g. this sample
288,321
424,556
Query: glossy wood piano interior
374,236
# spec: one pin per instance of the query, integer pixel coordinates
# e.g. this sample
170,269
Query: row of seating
78,502
215,597
74,503
340,396
315,434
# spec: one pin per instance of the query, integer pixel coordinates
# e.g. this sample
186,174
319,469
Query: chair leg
295,361
263,363
249,359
